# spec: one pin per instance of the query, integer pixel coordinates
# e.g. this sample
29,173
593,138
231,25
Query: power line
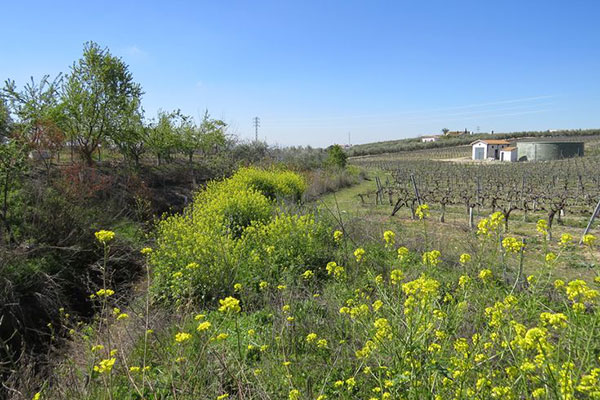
256,125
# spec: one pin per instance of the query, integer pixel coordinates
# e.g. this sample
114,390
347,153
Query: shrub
199,253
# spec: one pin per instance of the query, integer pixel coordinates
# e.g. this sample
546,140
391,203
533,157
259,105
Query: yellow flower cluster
512,245
490,225
359,253
105,366
104,236
485,275
565,240
396,276
337,236
105,292
465,258
390,238
422,211
589,240
402,253
229,305
431,258
335,270
556,320
181,337
542,227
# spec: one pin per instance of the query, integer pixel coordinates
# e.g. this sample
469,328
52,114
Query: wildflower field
251,295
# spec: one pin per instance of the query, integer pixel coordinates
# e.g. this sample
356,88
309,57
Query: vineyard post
412,178
471,225
589,225
478,196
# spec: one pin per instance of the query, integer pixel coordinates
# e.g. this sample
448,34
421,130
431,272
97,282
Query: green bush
201,252
273,184
281,250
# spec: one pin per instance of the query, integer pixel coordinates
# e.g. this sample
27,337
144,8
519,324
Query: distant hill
393,146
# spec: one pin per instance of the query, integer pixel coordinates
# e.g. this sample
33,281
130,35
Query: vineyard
553,189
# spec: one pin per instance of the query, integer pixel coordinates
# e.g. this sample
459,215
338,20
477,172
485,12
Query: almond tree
99,95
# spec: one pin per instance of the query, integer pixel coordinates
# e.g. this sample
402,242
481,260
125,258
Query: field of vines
554,189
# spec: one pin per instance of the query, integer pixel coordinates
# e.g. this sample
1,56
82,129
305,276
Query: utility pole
349,142
256,125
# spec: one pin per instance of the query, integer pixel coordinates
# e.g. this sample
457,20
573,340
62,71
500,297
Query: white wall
479,146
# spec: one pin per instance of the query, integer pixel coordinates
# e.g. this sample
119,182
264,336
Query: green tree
5,120
39,114
12,163
212,134
131,135
336,156
99,95
162,138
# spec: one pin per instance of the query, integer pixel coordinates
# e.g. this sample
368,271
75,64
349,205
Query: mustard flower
550,257
589,240
223,396
263,285
105,366
322,343
202,326
237,287
396,276
307,274
122,316
311,337
422,211
431,258
485,275
146,250
565,239
337,235
390,238
105,292
181,337
359,253
97,347
294,394
377,304
229,305
402,252
37,396
512,245
465,258
542,227
104,236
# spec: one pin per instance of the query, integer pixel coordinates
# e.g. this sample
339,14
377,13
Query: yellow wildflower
181,337
229,305
104,236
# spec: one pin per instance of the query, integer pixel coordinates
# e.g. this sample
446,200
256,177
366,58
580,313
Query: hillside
411,144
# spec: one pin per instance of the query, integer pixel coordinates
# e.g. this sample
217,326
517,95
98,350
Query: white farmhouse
509,154
426,139
488,149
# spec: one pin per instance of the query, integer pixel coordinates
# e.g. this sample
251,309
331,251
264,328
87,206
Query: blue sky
315,70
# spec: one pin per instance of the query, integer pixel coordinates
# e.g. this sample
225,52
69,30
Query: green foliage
99,96
200,253
271,183
282,249
336,156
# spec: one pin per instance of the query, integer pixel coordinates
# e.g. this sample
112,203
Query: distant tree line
410,144
96,105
